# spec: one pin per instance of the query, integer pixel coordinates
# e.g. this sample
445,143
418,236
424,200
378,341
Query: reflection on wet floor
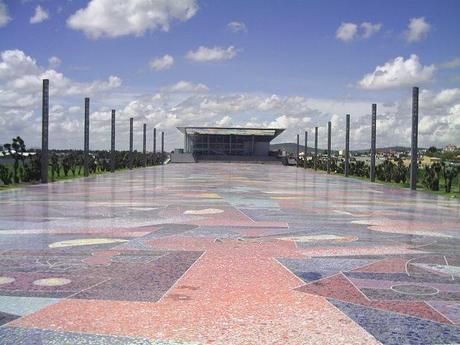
228,254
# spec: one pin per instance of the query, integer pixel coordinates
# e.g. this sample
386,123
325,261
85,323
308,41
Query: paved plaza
227,254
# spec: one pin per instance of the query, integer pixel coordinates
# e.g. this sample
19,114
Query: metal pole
112,144
347,146
316,148
144,145
373,141
329,125
154,141
86,145
162,147
297,157
305,151
45,124
414,140
130,161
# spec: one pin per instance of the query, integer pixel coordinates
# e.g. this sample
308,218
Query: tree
431,151
16,150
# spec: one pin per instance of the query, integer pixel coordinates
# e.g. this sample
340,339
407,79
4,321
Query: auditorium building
228,142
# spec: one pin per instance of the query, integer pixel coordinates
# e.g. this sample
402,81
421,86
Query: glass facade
235,145
214,141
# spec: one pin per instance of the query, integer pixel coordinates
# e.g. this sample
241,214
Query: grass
420,187
455,190
61,177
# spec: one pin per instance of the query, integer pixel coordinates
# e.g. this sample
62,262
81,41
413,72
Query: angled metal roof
270,132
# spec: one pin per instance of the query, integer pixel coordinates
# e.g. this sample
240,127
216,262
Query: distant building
426,160
450,148
220,142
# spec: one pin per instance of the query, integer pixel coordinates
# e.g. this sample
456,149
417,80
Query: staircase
239,159
182,158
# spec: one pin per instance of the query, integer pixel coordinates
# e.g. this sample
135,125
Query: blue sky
292,64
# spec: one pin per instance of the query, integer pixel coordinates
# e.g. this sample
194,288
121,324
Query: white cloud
286,121
20,110
20,101
397,73
226,121
447,96
204,54
237,27
346,32
426,125
4,17
54,62
439,118
417,30
185,87
114,18
40,15
370,29
454,63
162,63
74,109
444,98
21,79
14,63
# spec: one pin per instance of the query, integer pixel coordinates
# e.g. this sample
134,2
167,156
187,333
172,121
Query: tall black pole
373,141
347,145
297,152
316,148
414,141
112,144
144,145
86,144
305,151
162,147
45,124
329,125
130,158
154,141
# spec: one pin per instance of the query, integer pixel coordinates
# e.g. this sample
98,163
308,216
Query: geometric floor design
394,329
227,254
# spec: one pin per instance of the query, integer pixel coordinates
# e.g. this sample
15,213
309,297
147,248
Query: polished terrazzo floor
227,254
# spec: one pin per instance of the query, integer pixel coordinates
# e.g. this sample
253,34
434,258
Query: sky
262,63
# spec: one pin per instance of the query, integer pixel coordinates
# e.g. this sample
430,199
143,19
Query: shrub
449,173
16,151
5,175
431,176
32,169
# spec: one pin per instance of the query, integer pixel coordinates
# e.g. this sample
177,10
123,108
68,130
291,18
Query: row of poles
44,158
414,143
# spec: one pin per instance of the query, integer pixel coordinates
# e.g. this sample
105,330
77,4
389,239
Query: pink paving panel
237,296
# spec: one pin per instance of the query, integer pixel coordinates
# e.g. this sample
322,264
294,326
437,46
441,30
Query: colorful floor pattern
227,254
